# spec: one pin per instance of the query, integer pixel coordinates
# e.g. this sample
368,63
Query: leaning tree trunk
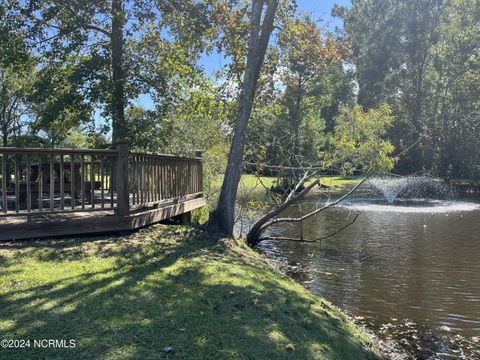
253,236
224,214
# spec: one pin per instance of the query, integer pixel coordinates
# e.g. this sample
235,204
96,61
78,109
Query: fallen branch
257,229
339,230
254,235
281,238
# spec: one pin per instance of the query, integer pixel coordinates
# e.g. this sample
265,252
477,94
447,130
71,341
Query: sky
210,63
317,8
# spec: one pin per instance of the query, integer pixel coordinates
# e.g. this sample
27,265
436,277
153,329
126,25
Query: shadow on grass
134,297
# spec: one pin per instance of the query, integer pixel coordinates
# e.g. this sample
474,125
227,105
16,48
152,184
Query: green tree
359,142
288,127
392,43
453,117
58,105
110,38
15,86
261,25
305,54
422,58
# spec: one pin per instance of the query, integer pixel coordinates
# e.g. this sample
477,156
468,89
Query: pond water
415,262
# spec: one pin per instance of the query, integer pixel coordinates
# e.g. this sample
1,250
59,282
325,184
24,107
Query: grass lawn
249,181
132,297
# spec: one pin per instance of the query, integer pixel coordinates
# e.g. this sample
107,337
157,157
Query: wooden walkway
56,192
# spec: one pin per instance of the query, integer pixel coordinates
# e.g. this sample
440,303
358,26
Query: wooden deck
61,192
75,223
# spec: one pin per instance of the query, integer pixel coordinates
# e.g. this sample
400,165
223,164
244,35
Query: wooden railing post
123,207
199,154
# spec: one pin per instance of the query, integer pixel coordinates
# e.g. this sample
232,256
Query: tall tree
15,84
400,56
306,53
57,105
109,36
262,15
16,73
119,126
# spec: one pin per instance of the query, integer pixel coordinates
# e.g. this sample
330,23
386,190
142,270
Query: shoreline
172,291
401,339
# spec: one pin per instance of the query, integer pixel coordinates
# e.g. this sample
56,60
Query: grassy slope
123,298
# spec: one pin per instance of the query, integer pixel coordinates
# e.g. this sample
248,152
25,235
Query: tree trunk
253,236
224,214
119,128
4,135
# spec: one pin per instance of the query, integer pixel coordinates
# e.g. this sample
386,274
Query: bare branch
339,230
297,186
316,211
257,229
280,238
301,240
272,195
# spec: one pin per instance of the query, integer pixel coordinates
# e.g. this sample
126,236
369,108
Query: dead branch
254,235
281,238
297,186
316,211
257,229
339,230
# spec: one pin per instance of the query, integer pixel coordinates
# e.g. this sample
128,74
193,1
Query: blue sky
318,9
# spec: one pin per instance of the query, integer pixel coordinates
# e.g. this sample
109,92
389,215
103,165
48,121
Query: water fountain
411,187
410,194
390,187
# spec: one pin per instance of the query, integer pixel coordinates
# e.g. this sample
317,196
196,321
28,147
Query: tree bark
258,228
119,128
224,214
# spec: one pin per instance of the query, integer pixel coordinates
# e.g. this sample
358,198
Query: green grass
249,181
130,297
334,181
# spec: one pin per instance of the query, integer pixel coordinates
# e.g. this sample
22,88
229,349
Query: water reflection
422,265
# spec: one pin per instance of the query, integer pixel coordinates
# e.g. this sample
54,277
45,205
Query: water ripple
428,207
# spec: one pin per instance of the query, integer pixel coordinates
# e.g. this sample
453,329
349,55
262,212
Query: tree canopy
77,73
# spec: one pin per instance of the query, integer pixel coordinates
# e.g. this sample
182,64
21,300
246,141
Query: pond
411,267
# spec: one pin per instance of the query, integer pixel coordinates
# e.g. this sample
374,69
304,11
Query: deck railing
155,178
40,181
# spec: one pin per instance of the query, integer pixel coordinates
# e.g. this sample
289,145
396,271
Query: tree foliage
359,144
421,56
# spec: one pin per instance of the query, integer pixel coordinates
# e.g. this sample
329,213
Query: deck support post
123,207
185,218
